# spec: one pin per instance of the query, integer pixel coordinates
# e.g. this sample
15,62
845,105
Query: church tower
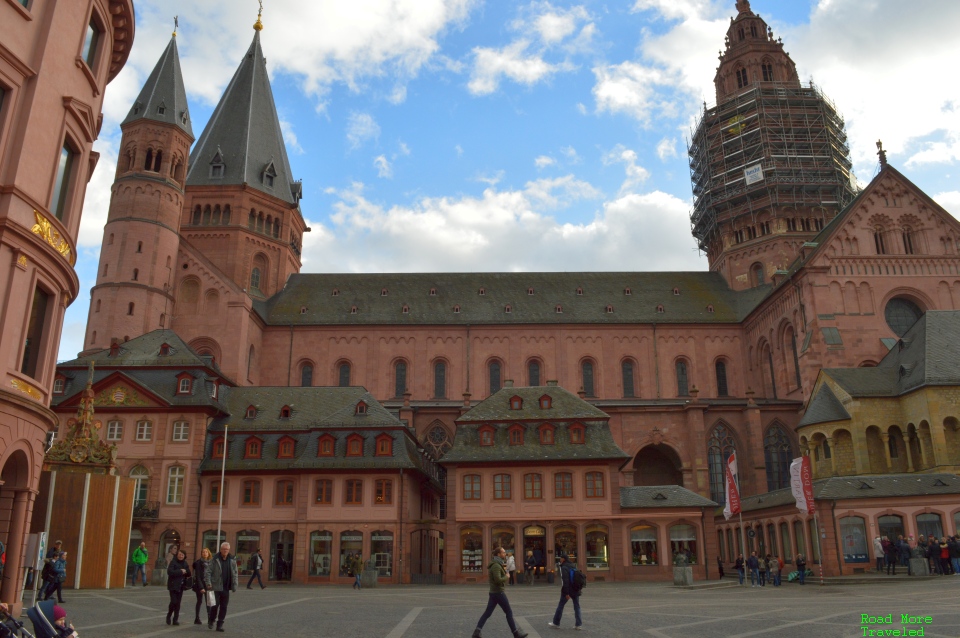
134,288
242,210
769,163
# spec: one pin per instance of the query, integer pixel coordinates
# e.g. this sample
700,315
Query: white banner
732,505
753,174
801,484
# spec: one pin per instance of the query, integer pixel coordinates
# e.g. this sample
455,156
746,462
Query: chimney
552,384
114,349
508,383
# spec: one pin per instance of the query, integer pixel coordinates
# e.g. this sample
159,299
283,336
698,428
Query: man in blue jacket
569,591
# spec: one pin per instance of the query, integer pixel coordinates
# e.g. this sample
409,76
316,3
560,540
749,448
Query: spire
258,25
163,98
245,131
743,6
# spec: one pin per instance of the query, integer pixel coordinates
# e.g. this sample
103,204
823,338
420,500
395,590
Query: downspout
290,357
656,360
703,535
400,533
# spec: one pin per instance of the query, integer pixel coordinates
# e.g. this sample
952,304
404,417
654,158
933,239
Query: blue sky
463,135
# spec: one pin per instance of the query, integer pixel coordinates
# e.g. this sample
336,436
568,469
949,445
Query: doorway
281,544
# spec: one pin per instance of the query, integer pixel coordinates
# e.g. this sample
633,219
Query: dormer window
214,388
286,448
559,309
546,402
217,165
405,310
361,408
165,350
609,310
579,292
136,107
627,292
303,310
676,292
269,174
433,292
577,434
353,310
660,309
285,412
486,435
162,108
326,445
530,291
253,448
546,434
218,447
456,309
384,445
482,292
508,309
335,293
251,412
58,385
184,117
516,434
516,403
710,308
354,445
184,386
383,292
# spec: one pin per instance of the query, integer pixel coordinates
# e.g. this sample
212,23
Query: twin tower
228,212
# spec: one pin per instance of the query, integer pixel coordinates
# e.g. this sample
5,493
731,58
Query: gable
118,391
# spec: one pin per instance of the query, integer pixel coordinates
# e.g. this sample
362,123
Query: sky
463,135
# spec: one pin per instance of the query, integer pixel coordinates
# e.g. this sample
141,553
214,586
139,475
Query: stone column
908,452
833,456
12,572
885,437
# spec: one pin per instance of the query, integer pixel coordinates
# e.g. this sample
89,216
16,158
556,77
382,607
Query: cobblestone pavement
609,610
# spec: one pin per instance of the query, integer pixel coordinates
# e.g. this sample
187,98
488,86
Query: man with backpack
255,564
572,581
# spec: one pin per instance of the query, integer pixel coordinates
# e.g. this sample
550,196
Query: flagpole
816,522
223,469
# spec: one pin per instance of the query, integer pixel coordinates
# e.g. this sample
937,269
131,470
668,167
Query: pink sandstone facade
55,62
687,366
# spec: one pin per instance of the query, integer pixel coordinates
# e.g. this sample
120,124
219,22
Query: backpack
252,562
578,579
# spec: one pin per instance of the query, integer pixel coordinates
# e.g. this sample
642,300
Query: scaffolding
797,138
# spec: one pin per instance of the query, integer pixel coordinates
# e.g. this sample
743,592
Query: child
60,623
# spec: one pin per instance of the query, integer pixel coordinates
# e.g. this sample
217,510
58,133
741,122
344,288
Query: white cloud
553,24
571,154
581,108
403,148
635,174
667,148
506,230
512,61
459,150
543,161
950,200
290,137
382,164
491,180
361,127
630,88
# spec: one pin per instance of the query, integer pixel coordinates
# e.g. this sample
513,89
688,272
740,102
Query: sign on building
753,174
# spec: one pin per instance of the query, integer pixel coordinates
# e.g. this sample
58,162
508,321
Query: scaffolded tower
769,164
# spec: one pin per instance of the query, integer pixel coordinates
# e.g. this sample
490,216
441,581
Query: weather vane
258,25
176,25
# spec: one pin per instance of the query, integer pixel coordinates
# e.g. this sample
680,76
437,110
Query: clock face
735,124
438,435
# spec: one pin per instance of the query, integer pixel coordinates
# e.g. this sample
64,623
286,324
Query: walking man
529,564
139,560
754,566
879,553
256,563
223,578
568,591
498,581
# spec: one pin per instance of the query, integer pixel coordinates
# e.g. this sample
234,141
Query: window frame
214,494
515,434
578,434
284,493
486,435
253,448
502,487
354,445
176,484
327,438
353,492
548,434
250,495
218,448
180,431
593,485
562,485
144,430
472,487
65,178
323,492
383,492
285,442
533,486
384,445
114,434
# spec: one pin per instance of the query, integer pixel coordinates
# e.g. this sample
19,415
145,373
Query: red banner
732,492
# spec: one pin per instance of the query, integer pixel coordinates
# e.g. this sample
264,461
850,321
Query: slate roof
163,383
698,290
245,129
661,496
824,407
164,87
564,406
866,486
144,350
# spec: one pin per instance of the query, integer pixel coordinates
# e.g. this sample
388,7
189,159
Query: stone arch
843,455
875,452
188,297
657,464
211,302
897,446
305,370
951,434
205,346
15,475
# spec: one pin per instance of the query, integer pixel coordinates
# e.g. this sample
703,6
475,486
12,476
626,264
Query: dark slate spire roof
824,407
164,89
245,130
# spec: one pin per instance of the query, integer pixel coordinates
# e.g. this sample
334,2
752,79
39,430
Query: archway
657,465
14,501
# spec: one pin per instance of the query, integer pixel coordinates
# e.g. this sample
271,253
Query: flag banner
732,505
801,483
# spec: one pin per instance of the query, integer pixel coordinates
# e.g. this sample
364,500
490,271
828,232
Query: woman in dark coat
201,580
177,572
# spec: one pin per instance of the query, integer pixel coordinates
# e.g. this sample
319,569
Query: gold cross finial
176,25
258,25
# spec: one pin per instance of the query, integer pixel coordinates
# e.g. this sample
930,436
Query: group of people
942,556
54,573
497,572
766,569
212,577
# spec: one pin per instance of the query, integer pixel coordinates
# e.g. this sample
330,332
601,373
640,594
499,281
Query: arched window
721,379
742,76
629,386
252,220
901,313
777,453
586,370
683,388
136,274
792,336
141,478
148,164
175,480
250,356
494,373
400,378
440,380
343,373
853,531
255,279
756,272
878,241
720,446
767,72
908,246
130,308
206,215
215,218
533,373
306,375
225,220
156,162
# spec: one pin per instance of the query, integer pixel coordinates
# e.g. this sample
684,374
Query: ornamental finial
258,25
882,154
176,25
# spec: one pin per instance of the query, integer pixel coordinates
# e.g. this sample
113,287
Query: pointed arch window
440,380
629,385
683,384
400,378
720,446
767,72
344,375
878,241
148,162
494,375
306,375
777,453
742,75
721,368
908,247
533,373
586,370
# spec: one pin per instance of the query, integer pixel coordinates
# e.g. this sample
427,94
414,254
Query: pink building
55,62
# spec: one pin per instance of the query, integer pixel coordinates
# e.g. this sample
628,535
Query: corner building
56,59
805,273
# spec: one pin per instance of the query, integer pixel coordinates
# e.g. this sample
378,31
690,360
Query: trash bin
549,578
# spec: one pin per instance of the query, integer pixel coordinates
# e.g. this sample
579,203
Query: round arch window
901,314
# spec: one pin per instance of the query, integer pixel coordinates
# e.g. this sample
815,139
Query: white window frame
115,430
58,386
175,480
184,386
181,431
144,430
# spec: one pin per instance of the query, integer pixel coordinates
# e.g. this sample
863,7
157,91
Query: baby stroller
41,616
10,627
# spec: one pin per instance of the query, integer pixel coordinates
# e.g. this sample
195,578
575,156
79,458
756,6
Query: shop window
353,494
501,487
471,550
853,536
324,495
814,542
683,539
533,486
251,493
321,543
383,492
351,544
504,537
643,545
284,493
563,485
785,542
597,546
381,552
565,538
471,487
799,537
594,484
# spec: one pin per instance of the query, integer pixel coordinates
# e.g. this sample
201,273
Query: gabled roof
598,445
246,129
565,406
141,387
824,407
661,496
164,87
144,351
698,290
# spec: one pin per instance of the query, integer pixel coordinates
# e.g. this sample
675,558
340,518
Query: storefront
321,551
281,553
471,550
248,542
351,544
381,551
535,542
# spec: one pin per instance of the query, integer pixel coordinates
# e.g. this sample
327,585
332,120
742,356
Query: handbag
187,583
211,599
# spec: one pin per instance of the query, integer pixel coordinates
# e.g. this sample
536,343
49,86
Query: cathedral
422,419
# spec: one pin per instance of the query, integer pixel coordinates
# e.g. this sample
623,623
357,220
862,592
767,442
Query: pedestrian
933,554
778,571
356,566
955,554
511,567
529,564
944,556
223,580
762,570
720,566
256,564
178,579
770,563
201,580
801,568
891,553
569,590
879,553
754,566
59,574
60,625
47,573
739,567
903,547
139,560
498,579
